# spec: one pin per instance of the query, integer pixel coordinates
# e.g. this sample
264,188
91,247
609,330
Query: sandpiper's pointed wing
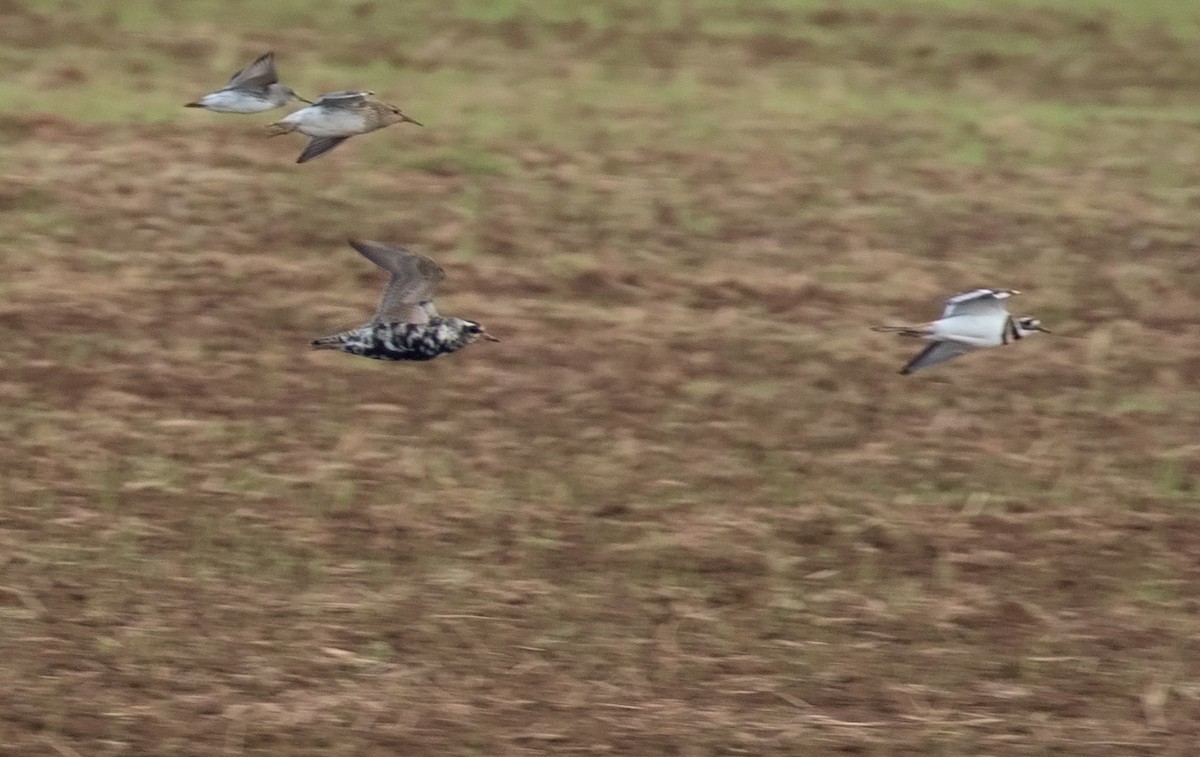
258,75
408,297
978,302
318,146
937,352
344,99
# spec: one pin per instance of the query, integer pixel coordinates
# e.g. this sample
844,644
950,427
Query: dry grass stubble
685,507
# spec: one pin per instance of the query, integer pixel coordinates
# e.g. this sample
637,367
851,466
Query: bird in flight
970,321
406,326
337,116
252,90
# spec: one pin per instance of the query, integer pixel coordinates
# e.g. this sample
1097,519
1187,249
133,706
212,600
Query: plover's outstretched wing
344,99
936,352
978,302
258,75
318,146
408,297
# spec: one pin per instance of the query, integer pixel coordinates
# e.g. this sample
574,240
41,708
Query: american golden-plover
407,325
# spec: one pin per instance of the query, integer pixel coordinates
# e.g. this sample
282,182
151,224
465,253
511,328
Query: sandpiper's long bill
970,321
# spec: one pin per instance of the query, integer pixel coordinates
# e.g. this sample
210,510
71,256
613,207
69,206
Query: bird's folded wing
408,297
937,352
318,146
976,302
258,75
343,97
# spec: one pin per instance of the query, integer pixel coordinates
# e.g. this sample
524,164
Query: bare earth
686,506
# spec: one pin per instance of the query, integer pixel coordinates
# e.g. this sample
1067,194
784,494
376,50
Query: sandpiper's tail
903,330
331,342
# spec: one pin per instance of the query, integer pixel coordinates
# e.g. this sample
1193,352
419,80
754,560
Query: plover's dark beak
1043,328
488,336
406,119
301,99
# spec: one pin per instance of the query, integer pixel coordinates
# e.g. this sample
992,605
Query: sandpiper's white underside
237,101
319,121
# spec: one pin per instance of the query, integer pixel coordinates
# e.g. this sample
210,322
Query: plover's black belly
400,341
381,350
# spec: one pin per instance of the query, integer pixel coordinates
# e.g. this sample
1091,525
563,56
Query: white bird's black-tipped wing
344,99
408,297
978,302
936,352
318,146
258,75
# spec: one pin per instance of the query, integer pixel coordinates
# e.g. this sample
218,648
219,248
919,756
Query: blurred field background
686,507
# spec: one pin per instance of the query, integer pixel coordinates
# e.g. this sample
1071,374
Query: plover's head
474,332
1027,325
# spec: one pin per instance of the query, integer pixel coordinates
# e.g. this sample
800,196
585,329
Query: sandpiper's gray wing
978,302
408,297
936,352
318,146
258,75
344,98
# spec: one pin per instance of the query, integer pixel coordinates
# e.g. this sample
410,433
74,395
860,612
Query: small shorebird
337,116
252,90
407,325
970,321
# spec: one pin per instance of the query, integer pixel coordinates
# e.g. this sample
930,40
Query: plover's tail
331,342
903,330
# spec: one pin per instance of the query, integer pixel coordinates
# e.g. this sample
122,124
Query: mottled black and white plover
407,325
970,321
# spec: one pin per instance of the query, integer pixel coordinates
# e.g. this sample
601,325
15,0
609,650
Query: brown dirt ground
685,507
